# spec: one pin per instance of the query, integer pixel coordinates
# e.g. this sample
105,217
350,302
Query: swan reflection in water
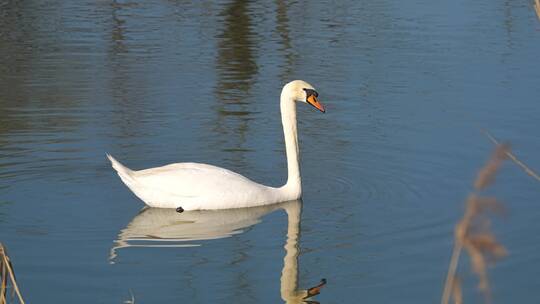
154,227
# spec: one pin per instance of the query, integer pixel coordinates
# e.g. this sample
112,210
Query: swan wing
196,186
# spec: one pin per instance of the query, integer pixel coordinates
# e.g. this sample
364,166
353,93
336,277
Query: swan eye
310,92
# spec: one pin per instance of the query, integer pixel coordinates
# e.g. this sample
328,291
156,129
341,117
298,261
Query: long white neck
288,119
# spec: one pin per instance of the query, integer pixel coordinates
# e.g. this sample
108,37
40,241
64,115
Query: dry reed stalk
507,152
473,233
457,294
3,283
6,268
537,8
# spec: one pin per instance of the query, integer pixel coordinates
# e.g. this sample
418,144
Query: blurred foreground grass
7,279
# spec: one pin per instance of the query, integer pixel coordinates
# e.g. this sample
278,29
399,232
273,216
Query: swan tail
125,173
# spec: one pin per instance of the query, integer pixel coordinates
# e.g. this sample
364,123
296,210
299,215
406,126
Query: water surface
385,171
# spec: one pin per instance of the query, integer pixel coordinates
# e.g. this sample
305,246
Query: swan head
302,91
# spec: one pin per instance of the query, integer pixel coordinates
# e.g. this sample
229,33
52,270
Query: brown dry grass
473,232
509,154
7,276
457,294
537,8
486,176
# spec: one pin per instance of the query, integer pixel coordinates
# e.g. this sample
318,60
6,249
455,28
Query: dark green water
407,87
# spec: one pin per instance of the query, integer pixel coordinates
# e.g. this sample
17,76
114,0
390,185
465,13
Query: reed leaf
7,276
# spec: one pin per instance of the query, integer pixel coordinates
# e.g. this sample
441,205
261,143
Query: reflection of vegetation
31,80
7,278
15,38
117,31
282,28
3,204
35,100
236,65
125,96
236,68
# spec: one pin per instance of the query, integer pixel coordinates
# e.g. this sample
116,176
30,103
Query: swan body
196,186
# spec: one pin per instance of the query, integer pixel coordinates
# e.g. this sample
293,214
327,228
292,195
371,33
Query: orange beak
312,100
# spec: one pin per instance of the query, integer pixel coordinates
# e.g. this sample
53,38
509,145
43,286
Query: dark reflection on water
237,69
235,61
384,171
118,47
282,27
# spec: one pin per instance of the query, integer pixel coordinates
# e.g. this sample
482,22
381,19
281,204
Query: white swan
194,186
